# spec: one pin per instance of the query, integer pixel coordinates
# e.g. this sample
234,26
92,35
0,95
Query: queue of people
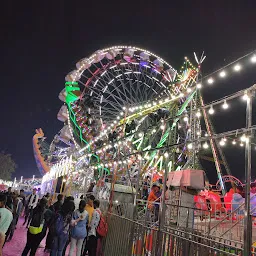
59,222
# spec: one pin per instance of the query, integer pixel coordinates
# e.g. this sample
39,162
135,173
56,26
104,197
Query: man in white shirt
32,203
5,220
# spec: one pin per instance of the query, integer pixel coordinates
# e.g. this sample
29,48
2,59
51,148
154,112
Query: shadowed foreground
18,242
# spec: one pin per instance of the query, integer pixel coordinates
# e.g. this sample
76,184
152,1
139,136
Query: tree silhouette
7,166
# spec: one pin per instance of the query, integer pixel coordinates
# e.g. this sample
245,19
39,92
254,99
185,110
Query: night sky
42,40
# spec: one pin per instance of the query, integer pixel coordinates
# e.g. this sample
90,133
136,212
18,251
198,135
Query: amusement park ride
126,114
129,115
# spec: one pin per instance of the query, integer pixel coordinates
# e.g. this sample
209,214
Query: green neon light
102,169
183,107
98,159
71,83
78,127
71,97
165,136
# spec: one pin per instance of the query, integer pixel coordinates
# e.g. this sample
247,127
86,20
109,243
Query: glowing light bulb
241,144
253,59
234,142
162,127
210,80
190,146
198,114
211,111
185,118
225,105
206,134
222,143
140,134
189,90
222,74
166,154
205,145
237,67
244,138
199,86
245,96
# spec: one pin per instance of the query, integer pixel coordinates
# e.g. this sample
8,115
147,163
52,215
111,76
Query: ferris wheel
118,77
127,96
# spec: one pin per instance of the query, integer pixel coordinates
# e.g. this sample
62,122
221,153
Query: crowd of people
60,222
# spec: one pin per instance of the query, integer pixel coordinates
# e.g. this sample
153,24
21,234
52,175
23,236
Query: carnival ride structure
128,114
124,107
40,159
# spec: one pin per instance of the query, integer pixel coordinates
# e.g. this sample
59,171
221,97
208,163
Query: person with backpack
37,228
79,231
62,226
55,208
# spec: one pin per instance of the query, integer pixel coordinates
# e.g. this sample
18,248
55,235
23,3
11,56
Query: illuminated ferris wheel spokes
123,76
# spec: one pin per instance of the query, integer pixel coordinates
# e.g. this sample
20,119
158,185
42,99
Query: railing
127,237
213,228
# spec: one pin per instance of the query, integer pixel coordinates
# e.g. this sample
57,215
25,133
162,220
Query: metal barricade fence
131,238
204,220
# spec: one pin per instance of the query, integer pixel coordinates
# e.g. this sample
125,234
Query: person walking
92,234
37,228
62,226
9,200
79,232
32,203
57,205
55,208
17,206
90,209
90,206
68,198
22,197
5,220
9,205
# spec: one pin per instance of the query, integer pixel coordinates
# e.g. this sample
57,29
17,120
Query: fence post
248,148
